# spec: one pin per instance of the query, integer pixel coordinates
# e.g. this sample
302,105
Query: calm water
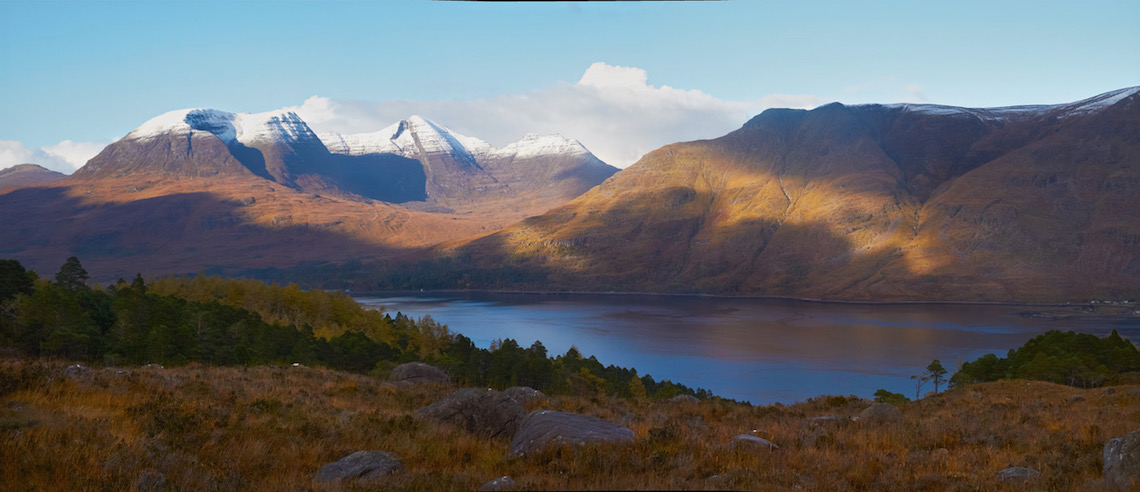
760,350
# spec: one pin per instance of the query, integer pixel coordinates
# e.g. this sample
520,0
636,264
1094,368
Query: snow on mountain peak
408,138
1083,107
246,128
536,145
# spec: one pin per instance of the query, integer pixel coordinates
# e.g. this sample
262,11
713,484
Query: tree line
1074,359
218,321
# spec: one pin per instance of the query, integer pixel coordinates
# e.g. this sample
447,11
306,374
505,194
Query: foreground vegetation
260,428
216,321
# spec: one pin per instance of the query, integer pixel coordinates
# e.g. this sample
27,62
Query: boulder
1122,461
544,428
881,413
748,441
502,483
684,399
418,372
1018,474
1076,398
524,394
484,412
361,466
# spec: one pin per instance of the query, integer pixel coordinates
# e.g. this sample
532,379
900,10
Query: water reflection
761,350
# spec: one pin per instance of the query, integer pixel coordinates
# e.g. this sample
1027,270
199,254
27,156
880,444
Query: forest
225,322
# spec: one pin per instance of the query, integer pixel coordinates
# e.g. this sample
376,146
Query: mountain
466,174
868,202
202,189
26,174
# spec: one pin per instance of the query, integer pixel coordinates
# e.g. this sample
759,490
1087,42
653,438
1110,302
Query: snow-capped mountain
414,160
416,137
244,128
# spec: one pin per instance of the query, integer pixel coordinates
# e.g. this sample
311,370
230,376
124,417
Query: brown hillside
863,203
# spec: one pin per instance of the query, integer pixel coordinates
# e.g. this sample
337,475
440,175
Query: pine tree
71,275
936,373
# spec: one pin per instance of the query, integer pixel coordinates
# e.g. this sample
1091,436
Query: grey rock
748,441
543,428
881,413
485,412
684,399
1134,392
361,466
502,483
1122,461
524,394
1018,474
1076,398
418,372
1108,391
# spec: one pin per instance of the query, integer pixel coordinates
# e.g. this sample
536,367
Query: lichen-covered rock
485,412
543,428
1122,461
1018,474
524,394
361,466
881,413
748,441
418,372
502,483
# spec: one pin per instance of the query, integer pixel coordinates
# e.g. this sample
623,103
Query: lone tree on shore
936,373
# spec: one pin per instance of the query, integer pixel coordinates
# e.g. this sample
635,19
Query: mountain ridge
867,202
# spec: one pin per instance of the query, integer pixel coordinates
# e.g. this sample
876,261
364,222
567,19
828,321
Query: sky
623,78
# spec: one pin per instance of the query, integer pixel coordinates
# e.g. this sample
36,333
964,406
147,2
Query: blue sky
76,75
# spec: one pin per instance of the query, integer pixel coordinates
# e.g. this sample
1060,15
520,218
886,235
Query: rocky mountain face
870,202
206,189
27,174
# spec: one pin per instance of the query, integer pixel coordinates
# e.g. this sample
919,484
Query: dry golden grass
262,428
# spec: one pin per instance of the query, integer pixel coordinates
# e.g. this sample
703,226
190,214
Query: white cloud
612,110
65,157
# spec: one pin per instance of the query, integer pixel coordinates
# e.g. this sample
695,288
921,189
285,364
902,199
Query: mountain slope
26,174
896,202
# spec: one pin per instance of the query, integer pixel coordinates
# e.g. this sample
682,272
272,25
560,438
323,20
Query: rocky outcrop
684,399
1018,474
881,413
484,412
1122,461
418,372
524,394
502,483
748,441
546,428
360,467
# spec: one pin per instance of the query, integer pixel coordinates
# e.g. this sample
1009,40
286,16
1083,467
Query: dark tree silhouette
71,275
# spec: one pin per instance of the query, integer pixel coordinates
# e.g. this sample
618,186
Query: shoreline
723,296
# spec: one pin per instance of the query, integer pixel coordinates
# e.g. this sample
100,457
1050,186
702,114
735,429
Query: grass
263,428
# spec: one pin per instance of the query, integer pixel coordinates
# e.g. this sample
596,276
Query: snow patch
1083,107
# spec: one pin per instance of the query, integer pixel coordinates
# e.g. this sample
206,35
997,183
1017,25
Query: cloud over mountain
65,157
612,110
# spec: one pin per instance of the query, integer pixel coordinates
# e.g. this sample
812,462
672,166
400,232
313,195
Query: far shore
722,296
